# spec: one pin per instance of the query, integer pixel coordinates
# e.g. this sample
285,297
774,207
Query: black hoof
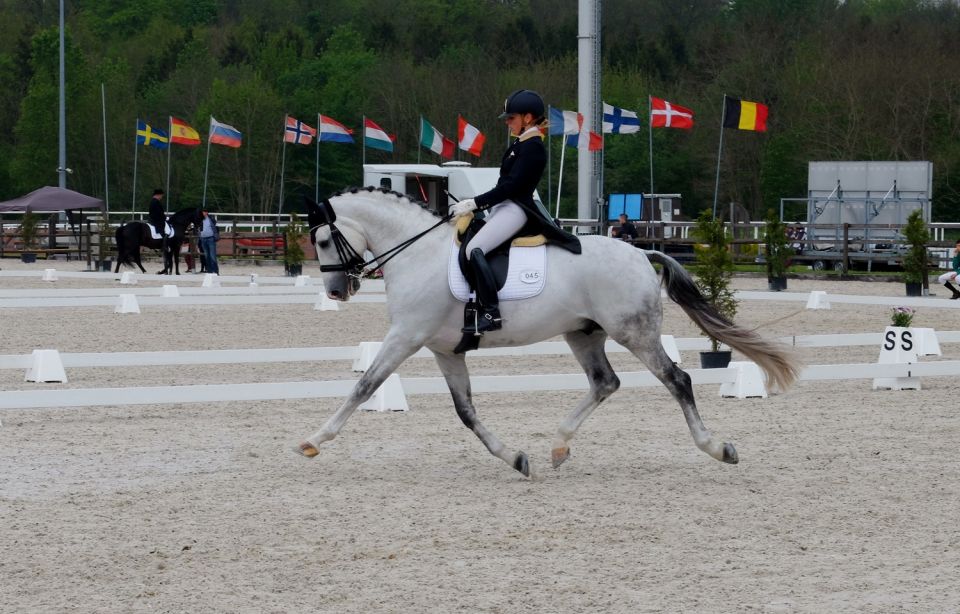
730,454
521,464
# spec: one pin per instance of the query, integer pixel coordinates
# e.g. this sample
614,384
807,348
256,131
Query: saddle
498,259
167,229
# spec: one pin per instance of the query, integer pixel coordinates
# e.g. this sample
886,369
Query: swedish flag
152,137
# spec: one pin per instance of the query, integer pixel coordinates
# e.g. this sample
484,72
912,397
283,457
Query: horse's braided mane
371,189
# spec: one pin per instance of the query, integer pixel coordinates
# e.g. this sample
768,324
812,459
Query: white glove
463,207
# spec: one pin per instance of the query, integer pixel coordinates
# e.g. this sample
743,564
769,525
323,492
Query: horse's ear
319,214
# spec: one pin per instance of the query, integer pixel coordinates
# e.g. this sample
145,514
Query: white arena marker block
170,291
49,275
670,346
325,303
302,281
368,350
127,303
818,300
211,280
750,382
388,397
927,342
128,278
898,347
253,280
46,367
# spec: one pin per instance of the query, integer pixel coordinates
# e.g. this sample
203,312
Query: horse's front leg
454,369
392,353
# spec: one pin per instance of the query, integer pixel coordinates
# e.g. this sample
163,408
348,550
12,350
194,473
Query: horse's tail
123,255
777,361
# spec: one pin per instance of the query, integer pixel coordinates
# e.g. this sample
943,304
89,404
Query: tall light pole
588,100
62,162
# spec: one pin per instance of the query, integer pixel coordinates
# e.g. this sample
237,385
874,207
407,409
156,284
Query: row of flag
738,114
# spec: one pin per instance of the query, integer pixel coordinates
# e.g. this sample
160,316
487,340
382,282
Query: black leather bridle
351,262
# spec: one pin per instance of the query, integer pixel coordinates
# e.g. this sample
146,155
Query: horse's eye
324,244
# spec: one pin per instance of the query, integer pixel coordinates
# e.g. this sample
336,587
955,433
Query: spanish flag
744,115
182,134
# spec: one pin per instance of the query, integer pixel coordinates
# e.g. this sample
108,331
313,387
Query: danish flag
665,114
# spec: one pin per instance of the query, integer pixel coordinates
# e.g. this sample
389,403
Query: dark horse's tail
776,360
123,254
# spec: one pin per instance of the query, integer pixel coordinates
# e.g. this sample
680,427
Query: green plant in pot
915,258
714,270
293,252
778,252
28,233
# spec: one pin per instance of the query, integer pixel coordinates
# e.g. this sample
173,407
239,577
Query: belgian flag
744,115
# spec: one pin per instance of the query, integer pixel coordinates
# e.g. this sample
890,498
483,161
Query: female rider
511,209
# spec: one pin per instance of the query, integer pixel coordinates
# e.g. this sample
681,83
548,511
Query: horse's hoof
730,454
307,450
559,455
521,464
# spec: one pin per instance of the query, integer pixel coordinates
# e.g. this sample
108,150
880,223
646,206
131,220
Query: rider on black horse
512,210
158,218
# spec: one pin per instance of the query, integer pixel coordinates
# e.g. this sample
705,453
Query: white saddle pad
167,229
526,274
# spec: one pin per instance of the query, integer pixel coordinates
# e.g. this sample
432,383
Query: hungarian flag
744,115
665,114
298,132
182,134
593,143
376,137
223,134
431,138
471,140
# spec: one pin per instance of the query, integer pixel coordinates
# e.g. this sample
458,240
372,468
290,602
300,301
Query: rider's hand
463,207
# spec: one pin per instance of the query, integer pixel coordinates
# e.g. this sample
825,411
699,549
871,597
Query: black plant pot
28,257
914,288
105,265
294,269
776,284
715,360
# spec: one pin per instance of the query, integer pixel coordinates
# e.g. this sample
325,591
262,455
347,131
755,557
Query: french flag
332,131
223,134
564,122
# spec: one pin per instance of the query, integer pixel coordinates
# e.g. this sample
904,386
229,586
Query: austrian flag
665,114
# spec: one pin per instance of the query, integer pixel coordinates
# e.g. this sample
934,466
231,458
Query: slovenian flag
619,121
471,140
152,137
431,138
182,134
298,132
564,122
594,143
374,136
223,134
332,131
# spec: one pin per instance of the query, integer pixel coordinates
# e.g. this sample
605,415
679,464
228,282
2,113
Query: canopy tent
51,199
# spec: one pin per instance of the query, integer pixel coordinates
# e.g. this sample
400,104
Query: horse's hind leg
454,369
650,351
589,352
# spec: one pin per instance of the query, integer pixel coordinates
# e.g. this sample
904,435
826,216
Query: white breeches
503,221
949,276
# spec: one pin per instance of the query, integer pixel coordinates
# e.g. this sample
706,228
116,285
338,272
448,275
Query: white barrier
49,275
128,278
818,300
46,366
170,291
212,393
127,303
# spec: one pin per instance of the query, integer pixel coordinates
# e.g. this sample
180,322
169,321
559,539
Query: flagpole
420,146
316,175
106,173
563,152
166,188
549,160
650,135
716,185
363,133
206,166
283,167
136,152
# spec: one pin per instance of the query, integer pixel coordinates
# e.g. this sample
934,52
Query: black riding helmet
523,101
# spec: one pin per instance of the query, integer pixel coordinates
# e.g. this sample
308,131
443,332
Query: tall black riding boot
488,313
952,288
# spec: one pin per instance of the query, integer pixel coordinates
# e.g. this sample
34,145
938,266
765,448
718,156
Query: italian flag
431,138
471,139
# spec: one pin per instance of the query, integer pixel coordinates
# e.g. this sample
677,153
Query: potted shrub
915,258
778,252
292,250
28,233
714,270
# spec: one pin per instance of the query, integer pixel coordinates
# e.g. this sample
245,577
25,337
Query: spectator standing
626,230
209,235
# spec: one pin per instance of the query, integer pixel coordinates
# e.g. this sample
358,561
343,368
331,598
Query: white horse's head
340,246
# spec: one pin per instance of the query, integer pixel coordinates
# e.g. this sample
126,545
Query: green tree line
844,80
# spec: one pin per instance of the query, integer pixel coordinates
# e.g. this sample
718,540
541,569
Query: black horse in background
134,235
